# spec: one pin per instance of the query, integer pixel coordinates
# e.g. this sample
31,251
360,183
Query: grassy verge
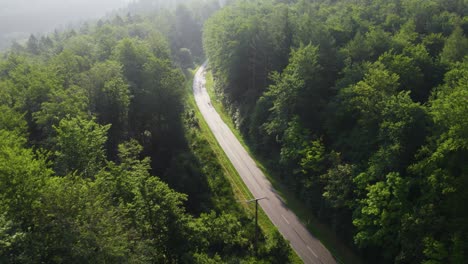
240,190
341,252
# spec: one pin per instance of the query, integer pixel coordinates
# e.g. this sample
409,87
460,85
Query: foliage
366,119
80,146
88,117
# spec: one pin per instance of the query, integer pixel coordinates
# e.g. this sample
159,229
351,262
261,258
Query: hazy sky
40,15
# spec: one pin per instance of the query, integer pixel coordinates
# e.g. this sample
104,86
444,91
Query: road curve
309,248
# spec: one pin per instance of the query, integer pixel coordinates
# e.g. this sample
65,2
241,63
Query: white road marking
312,251
285,219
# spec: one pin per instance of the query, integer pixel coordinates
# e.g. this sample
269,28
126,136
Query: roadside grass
341,252
240,190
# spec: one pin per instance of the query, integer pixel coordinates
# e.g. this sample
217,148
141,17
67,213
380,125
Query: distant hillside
20,18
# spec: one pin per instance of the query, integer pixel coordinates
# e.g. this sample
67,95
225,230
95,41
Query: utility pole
256,222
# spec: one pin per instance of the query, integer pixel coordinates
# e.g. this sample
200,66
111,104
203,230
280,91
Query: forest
361,109
101,159
358,107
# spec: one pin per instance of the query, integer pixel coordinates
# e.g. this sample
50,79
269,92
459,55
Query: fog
20,18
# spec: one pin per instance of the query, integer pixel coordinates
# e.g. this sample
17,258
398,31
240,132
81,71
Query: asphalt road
309,248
